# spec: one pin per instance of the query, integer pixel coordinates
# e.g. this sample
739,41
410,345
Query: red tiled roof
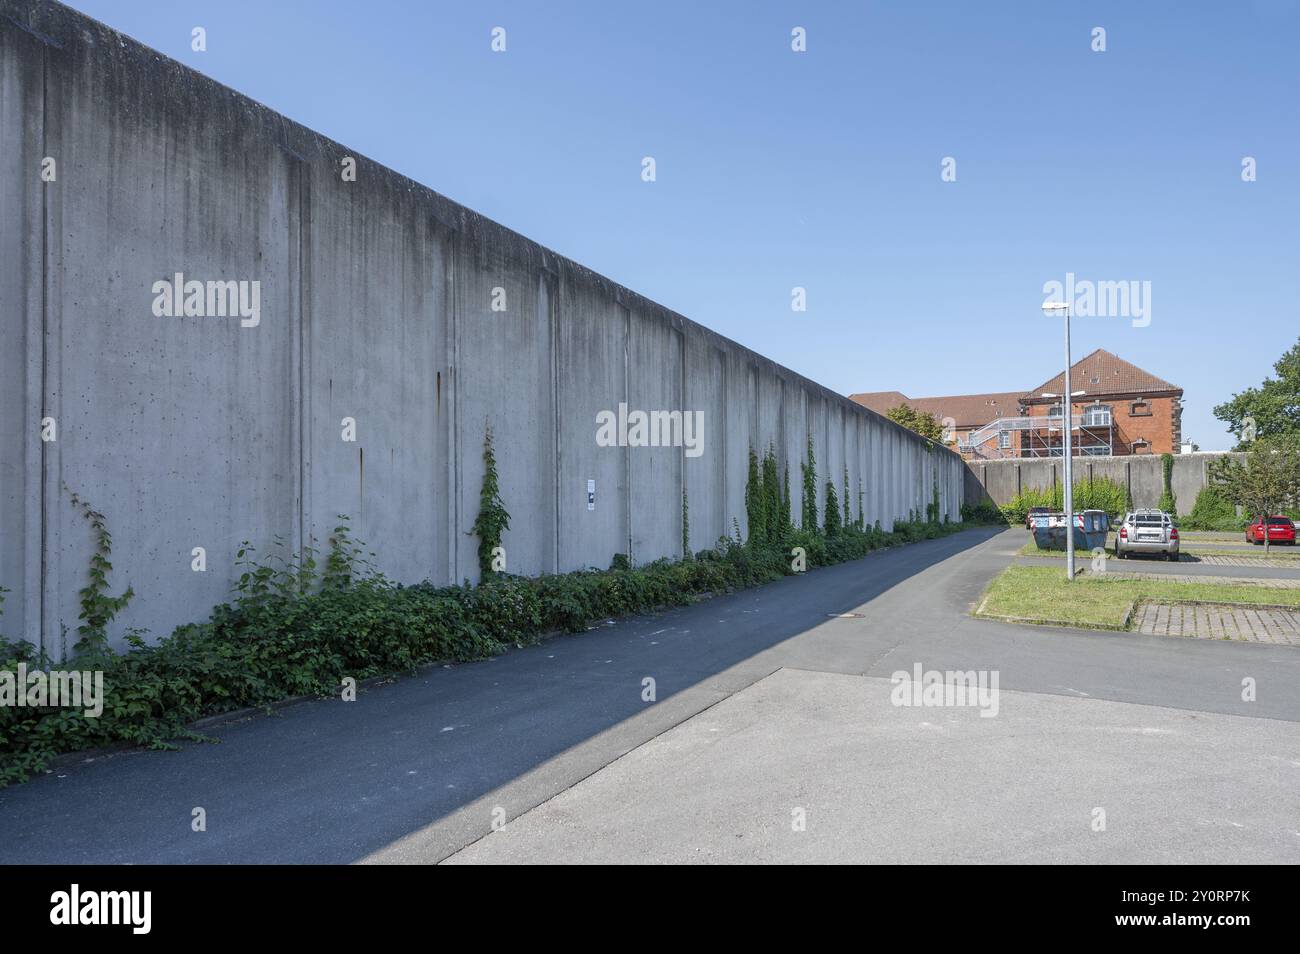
1113,375
966,410
1102,373
880,401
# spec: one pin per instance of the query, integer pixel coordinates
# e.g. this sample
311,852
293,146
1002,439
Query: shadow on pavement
330,782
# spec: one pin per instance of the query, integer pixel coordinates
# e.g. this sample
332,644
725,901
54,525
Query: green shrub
1213,511
1101,493
983,512
296,627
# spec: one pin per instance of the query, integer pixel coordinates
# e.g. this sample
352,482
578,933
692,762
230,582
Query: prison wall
376,308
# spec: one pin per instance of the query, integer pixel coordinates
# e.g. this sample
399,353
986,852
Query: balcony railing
977,442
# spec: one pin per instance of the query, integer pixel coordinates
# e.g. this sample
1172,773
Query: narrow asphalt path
417,770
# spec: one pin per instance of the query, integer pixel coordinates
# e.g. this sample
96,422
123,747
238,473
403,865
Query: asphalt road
764,704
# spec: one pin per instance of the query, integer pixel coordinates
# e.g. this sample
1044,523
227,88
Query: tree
1270,410
1266,482
923,422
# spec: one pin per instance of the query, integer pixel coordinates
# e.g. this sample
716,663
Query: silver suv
1147,531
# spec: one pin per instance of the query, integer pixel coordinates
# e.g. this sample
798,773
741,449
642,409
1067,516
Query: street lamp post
1067,424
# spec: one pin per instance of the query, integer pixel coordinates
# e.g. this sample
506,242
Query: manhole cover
846,615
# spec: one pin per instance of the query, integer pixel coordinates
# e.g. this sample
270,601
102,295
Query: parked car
1147,531
1280,530
1035,512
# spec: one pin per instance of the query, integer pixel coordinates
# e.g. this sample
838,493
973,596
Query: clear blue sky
821,169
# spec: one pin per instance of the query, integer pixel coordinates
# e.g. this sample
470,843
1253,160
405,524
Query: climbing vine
1168,502
848,508
831,521
493,519
755,500
97,607
686,526
809,468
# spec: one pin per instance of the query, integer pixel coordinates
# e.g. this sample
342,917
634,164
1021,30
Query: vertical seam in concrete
553,318
304,354
627,450
724,495
43,344
681,337
453,419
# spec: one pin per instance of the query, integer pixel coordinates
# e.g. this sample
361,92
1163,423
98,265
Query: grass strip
1042,594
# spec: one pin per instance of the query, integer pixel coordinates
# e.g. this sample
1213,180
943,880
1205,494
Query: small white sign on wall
591,494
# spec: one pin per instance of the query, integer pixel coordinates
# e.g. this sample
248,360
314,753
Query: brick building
1122,410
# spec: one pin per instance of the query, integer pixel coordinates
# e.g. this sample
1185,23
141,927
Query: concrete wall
376,305
1001,480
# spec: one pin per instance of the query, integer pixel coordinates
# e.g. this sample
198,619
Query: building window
1004,439
1142,446
1140,409
1095,450
1098,415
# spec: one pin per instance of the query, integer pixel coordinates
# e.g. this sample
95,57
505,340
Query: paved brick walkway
1283,583
1283,562
1253,624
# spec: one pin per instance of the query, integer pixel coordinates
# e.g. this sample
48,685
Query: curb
1122,627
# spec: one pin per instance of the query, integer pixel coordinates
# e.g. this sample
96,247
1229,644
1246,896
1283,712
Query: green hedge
983,512
1101,493
1213,511
292,631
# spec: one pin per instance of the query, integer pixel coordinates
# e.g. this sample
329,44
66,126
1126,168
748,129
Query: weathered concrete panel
705,475
372,329
22,245
592,356
180,429
504,374
655,368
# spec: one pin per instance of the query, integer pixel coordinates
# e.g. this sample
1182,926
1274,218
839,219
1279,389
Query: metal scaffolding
1092,435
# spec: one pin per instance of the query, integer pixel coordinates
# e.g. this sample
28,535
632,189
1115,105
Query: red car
1280,530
